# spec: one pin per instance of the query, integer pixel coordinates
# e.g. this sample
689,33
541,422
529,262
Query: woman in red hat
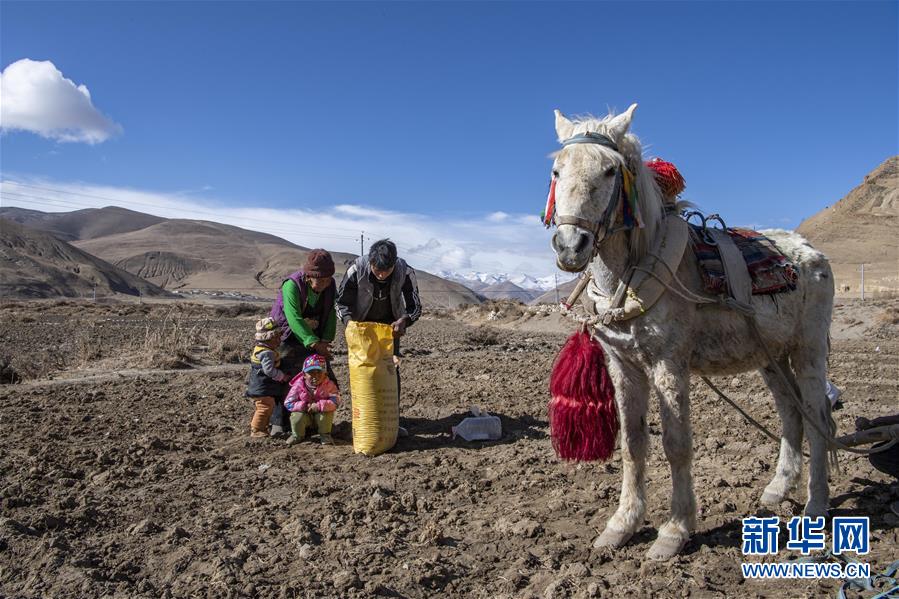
304,311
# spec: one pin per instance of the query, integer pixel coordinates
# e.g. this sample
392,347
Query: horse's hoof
771,499
612,538
815,511
665,548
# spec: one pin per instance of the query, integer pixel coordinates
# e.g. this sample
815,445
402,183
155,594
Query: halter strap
603,225
592,138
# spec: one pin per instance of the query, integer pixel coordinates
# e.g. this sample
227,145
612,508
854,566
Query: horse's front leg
672,383
631,397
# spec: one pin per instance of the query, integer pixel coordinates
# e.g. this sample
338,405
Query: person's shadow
434,433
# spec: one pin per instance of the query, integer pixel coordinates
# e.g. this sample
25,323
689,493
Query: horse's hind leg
810,365
789,463
631,397
672,383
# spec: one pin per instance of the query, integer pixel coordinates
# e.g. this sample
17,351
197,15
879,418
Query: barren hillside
861,229
508,290
37,264
81,224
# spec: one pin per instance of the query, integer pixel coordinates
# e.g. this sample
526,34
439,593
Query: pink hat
314,362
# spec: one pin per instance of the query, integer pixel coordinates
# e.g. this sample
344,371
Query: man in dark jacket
380,288
304,311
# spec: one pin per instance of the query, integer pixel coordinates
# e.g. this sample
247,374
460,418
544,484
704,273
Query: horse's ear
564,127
619,125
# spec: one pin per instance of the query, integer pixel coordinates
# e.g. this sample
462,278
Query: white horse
658,350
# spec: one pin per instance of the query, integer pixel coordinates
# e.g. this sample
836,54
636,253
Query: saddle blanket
770,271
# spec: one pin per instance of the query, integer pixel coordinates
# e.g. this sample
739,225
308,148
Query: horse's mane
649,198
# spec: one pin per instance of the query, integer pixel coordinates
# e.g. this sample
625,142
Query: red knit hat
319,264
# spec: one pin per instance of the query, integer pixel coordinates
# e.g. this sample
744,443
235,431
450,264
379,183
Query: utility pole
863,281
556,277
362,243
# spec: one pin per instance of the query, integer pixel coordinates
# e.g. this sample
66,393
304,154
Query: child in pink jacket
311,401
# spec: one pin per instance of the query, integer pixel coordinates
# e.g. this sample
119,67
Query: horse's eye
592,190
555,174
609,171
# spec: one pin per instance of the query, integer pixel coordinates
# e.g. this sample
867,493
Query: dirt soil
119,479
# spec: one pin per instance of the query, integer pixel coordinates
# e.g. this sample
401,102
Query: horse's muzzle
573,247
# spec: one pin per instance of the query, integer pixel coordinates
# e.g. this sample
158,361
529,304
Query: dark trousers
293,354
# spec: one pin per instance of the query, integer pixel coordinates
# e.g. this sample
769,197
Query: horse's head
587,180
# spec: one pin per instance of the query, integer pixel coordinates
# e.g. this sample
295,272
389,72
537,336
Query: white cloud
497,217
517,244
35,97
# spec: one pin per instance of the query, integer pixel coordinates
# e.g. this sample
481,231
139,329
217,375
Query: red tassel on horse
583,419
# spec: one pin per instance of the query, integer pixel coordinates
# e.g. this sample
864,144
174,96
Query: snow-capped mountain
478,280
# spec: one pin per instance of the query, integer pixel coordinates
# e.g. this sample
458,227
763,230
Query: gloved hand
313,407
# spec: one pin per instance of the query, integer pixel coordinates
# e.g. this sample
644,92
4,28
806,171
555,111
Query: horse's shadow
435,433
729,534
725,535
868,505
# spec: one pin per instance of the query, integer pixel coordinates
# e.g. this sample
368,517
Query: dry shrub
169,344
482,337
165,360
86,348
36,365
889,316
8,373
235,310
228,347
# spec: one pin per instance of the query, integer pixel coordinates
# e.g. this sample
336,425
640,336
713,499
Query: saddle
734,260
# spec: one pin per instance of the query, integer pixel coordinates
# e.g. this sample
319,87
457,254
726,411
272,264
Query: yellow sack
373,384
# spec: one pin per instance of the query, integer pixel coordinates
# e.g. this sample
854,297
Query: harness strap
739,282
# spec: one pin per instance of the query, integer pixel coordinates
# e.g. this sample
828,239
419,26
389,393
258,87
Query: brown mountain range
81,224
37,264
206,257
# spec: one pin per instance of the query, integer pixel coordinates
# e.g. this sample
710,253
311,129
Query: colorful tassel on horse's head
547,215
583,418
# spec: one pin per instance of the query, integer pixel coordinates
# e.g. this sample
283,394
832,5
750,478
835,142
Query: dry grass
242,309
889,316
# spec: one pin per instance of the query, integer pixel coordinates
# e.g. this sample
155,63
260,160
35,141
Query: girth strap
739,283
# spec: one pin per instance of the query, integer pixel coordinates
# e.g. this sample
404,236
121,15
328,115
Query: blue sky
432,122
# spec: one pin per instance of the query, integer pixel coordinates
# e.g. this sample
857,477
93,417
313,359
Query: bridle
601,228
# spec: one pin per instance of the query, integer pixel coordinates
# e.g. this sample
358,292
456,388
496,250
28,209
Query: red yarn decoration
583,419
667,177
